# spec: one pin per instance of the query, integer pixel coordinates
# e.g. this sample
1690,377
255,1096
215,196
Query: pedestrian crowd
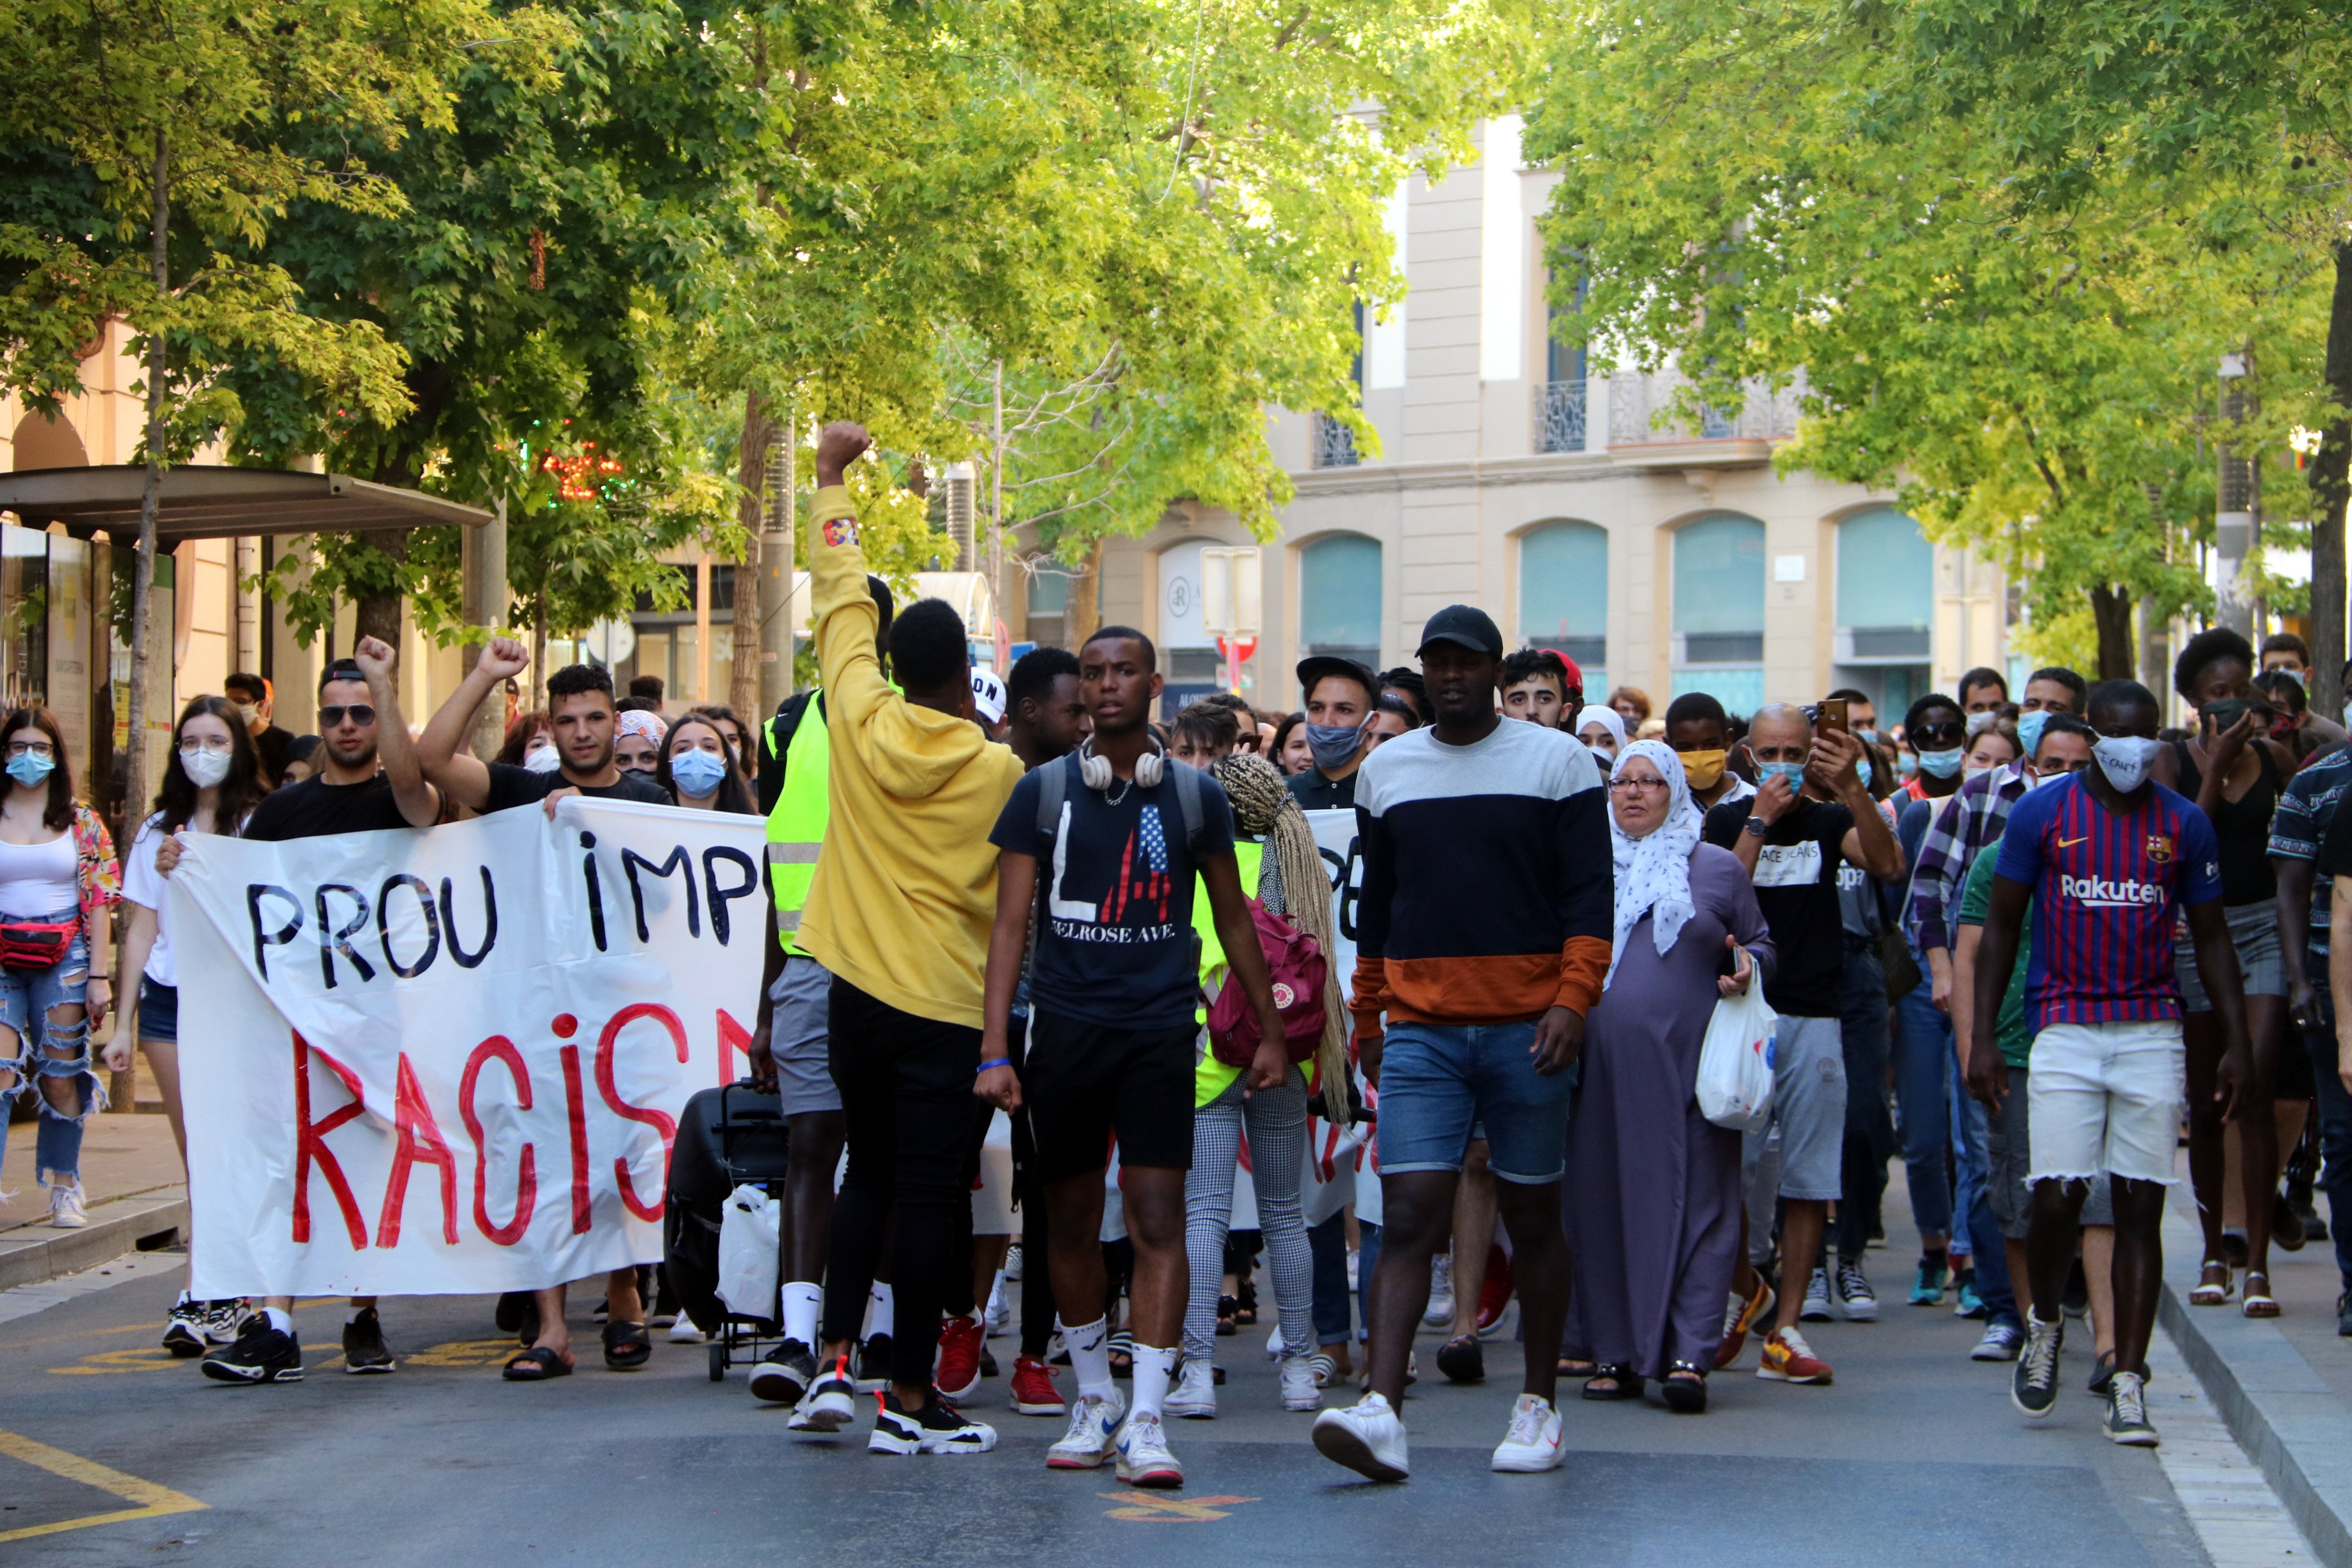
1043,966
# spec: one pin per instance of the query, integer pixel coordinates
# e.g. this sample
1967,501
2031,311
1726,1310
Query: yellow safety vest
1210,1076
796,826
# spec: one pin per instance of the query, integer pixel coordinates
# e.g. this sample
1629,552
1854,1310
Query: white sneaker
1298,1389
65,1209
1000,1311
1533,1444
684,1332
1012,1260
1195,1397
1143,1457
1366,1436
1273,1343
1093,1436
1441,1292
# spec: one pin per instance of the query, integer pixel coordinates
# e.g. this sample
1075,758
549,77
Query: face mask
1979,722
544,761
697,772
1333,744
204,768
1794,771
1969,773
1866,736
30,770
244,712
1703,768
2124,759
2223,714
2029,729
1906,763
1940,764
2295,674
2053,776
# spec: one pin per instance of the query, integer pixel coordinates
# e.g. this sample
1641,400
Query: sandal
1122,1353
1573,1367
1245,1305
1621,1383
537,1365
1228,1316
2212,1284
627,1346
1684,1388
2258,1303
1324,1368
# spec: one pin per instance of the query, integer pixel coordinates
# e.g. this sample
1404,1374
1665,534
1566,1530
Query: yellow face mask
1703,768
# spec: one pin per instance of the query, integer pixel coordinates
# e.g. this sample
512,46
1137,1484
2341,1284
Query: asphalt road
1912,1457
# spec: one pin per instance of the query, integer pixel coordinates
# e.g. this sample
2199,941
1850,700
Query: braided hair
1291,883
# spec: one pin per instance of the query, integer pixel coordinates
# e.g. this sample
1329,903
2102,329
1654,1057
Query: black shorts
1084,1082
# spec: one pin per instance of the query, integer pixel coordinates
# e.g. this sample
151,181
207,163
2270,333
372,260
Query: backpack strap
1053,786
1187,780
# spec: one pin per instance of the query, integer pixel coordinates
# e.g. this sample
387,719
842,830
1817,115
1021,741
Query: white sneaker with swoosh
1533,1444
1093,1437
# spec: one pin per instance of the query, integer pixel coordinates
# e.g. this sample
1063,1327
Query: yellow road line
154,1502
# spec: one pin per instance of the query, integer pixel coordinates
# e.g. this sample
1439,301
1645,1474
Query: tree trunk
2331,487
2111,610
751,475
378,610
150,497
1082,612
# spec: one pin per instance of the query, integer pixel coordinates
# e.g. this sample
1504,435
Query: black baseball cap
1315,667
1467,624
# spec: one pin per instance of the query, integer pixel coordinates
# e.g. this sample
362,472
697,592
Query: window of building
1885,608
1564,595
1339,598
1718,587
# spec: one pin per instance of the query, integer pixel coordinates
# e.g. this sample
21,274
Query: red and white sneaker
1789,1359
960,1347
1034,1392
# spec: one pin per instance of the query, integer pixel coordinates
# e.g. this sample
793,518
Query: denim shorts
27,995
159,1012
1439,1080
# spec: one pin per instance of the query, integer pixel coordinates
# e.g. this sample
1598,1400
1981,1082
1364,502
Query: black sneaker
183,1330
261,1354
988,1367
363,1346
784,1376
2286,1224
937,1427
874,1364
2126,1420
830,1404
1463,1360
2344,1315
2033,1386
2103,1374
2313,1227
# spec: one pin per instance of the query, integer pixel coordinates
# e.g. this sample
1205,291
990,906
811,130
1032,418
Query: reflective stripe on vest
796,826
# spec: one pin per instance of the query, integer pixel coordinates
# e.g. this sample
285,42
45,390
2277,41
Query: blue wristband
999,1062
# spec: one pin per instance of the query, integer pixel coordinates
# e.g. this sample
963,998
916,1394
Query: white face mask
2124,759
207,767
544,761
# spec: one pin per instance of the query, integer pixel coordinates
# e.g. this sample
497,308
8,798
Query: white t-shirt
37,880
143,884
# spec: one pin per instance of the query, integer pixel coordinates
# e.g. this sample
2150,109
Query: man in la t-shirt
1810,815
367,780
2108,857
1111,1041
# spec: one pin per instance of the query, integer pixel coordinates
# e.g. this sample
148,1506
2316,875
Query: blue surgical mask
28,768
697,772
1333,744
1794,771
1940,764
2029,729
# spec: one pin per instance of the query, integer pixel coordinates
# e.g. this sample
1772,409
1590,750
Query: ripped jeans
45,1048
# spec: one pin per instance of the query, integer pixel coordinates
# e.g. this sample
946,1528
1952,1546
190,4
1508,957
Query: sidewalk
2284,1385
132,1178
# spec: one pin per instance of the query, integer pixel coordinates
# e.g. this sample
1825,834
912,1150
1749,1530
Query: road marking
153,1502
1151,1506
100,1363
465,1352
2235,1513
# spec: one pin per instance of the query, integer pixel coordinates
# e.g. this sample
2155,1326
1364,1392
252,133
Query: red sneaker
959,1346
1496,1294
1034,1392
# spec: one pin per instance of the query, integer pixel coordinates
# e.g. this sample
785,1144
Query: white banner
453,1062
1334,1156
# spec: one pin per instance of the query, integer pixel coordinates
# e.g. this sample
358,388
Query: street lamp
1231,601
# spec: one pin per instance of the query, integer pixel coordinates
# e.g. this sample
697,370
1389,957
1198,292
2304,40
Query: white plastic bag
1735,1063
748,1240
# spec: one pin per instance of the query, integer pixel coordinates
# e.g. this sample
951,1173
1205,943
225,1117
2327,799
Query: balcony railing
1559,415
1635,398
1335,444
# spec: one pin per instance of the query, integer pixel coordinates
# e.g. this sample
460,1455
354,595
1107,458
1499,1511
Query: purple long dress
1654,1186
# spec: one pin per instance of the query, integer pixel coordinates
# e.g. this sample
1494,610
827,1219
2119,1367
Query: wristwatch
1756,826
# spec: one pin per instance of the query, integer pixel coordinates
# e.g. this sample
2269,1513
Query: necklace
1123,785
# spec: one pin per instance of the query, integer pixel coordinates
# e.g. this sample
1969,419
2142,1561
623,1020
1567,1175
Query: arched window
1339,598
1885,606
1719,610
1564,595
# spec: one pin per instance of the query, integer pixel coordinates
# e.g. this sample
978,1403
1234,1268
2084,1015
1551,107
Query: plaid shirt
1971,817
2299,826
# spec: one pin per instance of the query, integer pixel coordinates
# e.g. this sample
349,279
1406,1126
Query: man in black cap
1339,695
1482,937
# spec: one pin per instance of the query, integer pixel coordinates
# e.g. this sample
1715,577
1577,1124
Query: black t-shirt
1115,944
1313,792
315,809
511,786
1797,889
270,745
2336,848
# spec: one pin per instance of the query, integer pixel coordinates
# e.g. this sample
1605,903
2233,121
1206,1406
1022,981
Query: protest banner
454,1061
1335,1157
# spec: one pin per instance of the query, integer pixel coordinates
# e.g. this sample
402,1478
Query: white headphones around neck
1096,772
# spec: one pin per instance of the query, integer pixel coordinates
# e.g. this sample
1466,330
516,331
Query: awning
208,502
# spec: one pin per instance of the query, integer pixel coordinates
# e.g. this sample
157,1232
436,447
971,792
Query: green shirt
2016,1041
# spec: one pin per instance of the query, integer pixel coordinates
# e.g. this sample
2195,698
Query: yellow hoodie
906,885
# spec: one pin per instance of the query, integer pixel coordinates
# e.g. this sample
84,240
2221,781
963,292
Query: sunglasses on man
332,715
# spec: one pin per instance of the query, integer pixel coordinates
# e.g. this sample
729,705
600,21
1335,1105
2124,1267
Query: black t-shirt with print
315,809
511,786
1797,889
1115,943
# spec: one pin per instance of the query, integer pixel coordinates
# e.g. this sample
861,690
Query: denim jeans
2334,1138
1983,1230
1329,1244
26,995
1923,1075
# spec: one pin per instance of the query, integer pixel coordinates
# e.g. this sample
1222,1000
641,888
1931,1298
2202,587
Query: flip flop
627,1346
537,1365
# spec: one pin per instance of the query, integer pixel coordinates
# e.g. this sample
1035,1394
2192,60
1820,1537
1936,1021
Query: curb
2288,1421
31,1253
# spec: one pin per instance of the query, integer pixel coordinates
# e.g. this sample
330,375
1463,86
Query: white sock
879,1312
1090,1348
1152,1365
279,1319
802,1304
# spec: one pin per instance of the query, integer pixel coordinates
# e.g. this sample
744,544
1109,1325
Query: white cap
988,695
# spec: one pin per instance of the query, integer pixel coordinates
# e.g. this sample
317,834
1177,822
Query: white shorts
2106,1097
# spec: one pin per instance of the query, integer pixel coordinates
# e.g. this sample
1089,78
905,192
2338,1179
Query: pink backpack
1299,965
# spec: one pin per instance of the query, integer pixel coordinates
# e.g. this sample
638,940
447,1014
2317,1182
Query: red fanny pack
36,945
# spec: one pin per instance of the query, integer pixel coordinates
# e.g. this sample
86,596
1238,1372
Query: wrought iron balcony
1559,415
1334,444
1635,398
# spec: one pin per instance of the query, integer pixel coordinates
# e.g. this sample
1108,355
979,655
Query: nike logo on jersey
2070,842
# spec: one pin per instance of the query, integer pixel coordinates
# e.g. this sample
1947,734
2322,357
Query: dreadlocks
1291,883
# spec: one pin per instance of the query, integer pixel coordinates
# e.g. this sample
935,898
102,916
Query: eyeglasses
31,749
360,713
1626,787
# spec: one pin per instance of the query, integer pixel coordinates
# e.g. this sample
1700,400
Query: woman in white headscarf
1603,729
1654,1186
